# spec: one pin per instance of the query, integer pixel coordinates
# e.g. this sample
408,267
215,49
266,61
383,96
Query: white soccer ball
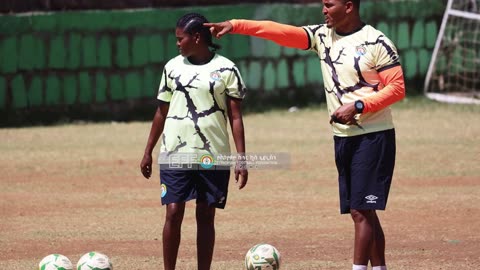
55,262
94,261
262,256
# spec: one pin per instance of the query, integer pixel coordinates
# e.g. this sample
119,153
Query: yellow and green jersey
350,65
197,117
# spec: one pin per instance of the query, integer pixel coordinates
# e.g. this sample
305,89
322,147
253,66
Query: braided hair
192,23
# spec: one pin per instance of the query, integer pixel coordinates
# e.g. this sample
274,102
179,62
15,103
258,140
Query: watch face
359,106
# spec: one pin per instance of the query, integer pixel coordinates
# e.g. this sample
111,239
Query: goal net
454,71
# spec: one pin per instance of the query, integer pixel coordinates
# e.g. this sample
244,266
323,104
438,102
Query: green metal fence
107,64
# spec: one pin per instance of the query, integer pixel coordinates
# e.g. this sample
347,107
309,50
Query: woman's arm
238,133
155,131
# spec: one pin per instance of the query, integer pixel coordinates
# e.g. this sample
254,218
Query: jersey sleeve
164,90
393,91
282,34
235,87
386,54
311,30
387,63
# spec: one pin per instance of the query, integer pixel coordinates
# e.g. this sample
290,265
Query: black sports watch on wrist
359,106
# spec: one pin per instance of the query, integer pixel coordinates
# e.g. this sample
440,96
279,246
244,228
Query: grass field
74,188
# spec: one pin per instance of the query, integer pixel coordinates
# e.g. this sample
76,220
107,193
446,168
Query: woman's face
187,44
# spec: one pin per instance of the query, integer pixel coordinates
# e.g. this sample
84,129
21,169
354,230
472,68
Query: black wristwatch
359,106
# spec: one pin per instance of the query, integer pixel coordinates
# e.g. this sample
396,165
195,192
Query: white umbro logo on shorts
371,199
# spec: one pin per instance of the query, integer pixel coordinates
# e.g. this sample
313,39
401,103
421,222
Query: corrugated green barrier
107,64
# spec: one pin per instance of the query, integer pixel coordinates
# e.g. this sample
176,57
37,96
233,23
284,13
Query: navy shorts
365,168
209,186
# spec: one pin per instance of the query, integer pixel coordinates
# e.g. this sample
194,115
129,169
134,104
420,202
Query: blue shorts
365,168
209,186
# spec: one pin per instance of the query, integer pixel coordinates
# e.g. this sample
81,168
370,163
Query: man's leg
371,173
172,234
364,231
377,252
205,234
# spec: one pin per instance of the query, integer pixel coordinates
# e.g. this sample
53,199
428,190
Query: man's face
335,12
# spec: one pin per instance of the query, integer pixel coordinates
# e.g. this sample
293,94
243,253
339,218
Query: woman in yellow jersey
199,91
362,77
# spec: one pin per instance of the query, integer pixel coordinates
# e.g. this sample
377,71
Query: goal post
454,71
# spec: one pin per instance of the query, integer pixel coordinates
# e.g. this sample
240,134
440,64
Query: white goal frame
449,12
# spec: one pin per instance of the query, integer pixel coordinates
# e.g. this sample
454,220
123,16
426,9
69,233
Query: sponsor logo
206,161
360,50
164,190
215,75
371,199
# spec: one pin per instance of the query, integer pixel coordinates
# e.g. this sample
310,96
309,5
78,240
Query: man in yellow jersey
363,77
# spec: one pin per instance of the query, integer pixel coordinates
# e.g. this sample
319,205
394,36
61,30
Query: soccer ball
262,256
94,261
55,262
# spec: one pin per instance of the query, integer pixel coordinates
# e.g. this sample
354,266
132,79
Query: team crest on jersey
361,50
215,75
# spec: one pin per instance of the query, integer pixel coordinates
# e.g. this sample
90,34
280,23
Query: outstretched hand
219,29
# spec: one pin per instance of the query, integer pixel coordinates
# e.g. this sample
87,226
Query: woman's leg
172,234
205,234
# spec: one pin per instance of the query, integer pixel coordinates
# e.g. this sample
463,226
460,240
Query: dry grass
74,188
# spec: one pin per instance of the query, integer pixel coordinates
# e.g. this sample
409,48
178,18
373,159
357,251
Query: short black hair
192,23
356,3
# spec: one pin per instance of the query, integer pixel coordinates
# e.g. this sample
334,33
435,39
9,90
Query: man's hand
219,29
345,114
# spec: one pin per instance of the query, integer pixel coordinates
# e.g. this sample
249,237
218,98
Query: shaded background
102,60
14,6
